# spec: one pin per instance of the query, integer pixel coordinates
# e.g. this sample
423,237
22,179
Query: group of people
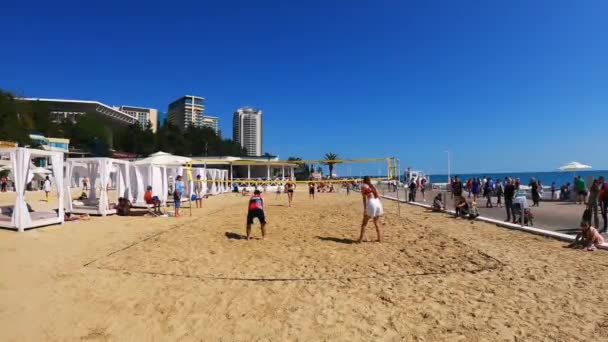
508,191
415,185
372,208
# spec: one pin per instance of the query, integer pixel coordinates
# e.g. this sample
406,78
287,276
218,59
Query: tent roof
163,158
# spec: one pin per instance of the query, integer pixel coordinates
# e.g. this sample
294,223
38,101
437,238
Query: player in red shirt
256,209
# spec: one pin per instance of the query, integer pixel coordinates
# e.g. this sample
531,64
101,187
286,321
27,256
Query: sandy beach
435,278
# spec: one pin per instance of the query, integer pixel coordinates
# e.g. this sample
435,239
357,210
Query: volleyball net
306,171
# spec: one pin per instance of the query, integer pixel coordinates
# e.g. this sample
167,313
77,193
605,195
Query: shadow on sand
338,240
235,236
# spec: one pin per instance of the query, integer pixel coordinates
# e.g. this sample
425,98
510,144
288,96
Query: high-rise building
144,115
189,111
247,129
211,122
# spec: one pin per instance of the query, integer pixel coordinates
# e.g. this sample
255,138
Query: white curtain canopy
163,158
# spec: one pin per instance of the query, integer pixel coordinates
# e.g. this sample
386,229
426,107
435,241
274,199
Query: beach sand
194,278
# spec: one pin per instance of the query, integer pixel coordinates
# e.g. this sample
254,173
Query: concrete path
561,217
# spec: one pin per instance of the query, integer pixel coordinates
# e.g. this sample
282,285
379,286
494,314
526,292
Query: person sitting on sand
123,208
438,203
588,237
467,209
256,210
154,200
73,217
372,208
83,196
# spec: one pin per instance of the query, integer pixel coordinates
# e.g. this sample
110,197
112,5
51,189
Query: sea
559,177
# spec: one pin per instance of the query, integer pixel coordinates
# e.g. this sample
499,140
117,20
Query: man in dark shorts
256,210
457,192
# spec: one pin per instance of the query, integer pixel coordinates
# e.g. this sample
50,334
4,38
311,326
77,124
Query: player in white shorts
372,208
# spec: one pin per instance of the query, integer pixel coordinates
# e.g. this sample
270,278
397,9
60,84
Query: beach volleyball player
290,186
372,208
256,210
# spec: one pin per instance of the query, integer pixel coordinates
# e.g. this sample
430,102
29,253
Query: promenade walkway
557,216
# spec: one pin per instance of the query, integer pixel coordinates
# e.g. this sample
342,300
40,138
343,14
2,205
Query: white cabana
143,176
154,171
99,172
18,216
163,158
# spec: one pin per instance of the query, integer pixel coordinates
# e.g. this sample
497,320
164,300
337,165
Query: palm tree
330,160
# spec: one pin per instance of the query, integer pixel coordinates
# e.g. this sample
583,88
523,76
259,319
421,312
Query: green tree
303,171
12,124
330,159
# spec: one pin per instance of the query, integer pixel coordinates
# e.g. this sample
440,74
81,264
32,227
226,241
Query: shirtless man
290,186
372,208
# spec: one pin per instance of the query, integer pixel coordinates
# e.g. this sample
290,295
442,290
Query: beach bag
176,196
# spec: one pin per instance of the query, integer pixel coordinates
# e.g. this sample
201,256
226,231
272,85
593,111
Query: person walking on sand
553,191
290,186
85,184
348,185
256,210
311,190
457,191
372,208
198,190
177,194
47,188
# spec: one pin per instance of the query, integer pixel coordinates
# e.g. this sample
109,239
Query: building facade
211,122
247,129
63,109
144,115
189,111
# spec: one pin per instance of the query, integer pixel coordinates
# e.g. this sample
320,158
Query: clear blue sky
504,85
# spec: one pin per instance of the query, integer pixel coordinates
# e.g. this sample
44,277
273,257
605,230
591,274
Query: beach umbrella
574,166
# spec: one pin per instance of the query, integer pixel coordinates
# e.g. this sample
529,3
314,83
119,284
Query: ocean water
546,178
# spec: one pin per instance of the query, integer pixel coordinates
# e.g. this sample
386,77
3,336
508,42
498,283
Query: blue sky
504,85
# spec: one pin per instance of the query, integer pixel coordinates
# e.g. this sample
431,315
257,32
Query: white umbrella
574,166
163,158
